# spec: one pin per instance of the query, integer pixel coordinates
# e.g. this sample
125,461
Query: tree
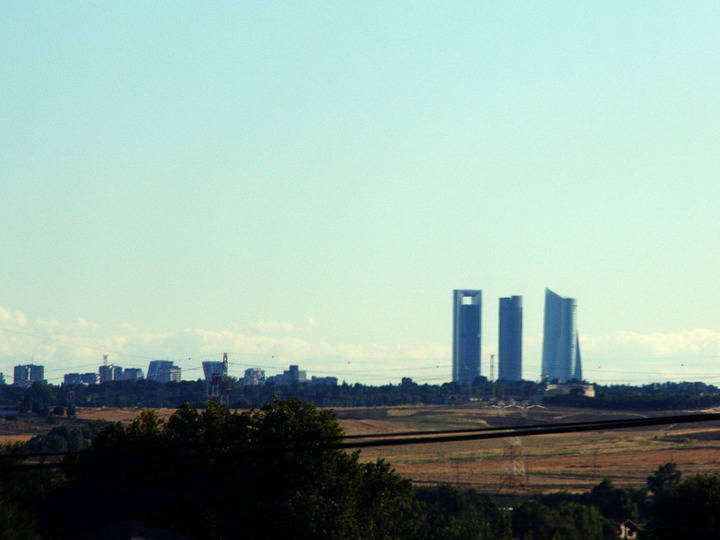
614,503
450,513
665,477
262,473
687,510
535,521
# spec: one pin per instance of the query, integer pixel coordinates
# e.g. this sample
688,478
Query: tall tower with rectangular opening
467,309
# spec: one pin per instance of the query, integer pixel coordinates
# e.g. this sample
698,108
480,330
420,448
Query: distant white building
587,390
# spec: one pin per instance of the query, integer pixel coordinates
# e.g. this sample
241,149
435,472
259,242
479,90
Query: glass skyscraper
561,347
467,308
510,339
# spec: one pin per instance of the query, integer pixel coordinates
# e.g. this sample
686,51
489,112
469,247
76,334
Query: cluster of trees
664,396
42,398
65,438
269,473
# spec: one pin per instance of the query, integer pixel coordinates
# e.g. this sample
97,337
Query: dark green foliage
535,521
665,477
16,524
65,438
146,393
216,474
614,503
453,514
20,492
689,509
664,396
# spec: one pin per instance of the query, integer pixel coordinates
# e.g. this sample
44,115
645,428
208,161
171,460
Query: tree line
42,398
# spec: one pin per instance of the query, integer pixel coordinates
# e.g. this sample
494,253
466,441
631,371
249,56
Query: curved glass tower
561,346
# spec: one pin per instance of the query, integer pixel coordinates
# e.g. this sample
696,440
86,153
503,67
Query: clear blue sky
307,182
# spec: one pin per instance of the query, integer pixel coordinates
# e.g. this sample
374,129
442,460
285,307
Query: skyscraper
27,374
510,339
561,345
467,307
163,371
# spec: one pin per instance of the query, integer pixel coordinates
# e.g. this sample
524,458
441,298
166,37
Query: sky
307,182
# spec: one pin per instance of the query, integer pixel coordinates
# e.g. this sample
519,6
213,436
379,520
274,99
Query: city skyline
304,184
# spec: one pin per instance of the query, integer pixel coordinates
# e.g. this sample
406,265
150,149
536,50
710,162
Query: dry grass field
116,414
552,462
574,461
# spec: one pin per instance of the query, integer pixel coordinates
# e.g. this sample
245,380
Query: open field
116,414
575,461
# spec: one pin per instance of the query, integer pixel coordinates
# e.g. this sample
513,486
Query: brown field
116,414
574,461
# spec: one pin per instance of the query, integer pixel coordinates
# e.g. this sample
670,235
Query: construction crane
218,389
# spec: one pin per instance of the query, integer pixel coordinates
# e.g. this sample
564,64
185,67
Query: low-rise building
79,378
628,529
71,379
565,389
291,375
329,381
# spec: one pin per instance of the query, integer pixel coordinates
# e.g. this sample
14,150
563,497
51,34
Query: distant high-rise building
211,368
89,378
132,374
21,376
174,374
37,373
71,379
27,374
467,308
561,346
117,373
105,374
510,339
155,366
163,371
